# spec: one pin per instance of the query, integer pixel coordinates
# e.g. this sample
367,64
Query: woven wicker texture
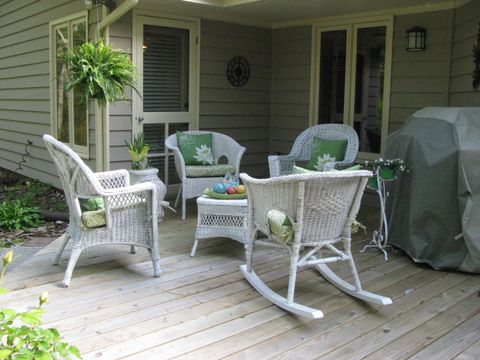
322,207
302,147
130,210
221,218
222,146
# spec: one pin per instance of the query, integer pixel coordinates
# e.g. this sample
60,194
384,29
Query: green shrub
23,338
17,215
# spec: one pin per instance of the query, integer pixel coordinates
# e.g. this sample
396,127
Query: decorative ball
231,190
240,189
219,188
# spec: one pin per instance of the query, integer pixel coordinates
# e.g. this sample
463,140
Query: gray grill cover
434,210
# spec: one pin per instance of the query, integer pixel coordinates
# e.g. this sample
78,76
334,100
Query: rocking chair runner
129,215
321,208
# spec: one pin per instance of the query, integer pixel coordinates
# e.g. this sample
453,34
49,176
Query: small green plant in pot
100,71
388,169
138,152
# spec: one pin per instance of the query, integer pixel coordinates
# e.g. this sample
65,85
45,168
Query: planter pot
151,175
372,183
387,173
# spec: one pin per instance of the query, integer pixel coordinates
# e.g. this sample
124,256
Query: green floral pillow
196,149
326,151
280,226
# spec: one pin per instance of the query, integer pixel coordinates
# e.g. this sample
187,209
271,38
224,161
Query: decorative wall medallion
238,71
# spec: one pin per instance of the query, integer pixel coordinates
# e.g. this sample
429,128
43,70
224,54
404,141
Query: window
69,108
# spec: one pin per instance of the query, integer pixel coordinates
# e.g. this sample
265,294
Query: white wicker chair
302,147
222,145
130,210
322,207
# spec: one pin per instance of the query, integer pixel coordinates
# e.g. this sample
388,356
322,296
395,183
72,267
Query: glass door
369,75
352,85
166,59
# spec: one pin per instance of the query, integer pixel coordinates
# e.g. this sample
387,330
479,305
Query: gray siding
24,82
466,27
420,78
242,113
120,121
291,54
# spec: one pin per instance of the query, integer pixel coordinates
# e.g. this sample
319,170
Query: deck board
202,308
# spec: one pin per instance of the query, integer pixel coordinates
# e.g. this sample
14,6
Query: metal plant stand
380,236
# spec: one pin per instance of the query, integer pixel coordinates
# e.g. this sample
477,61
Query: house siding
25,83
291,66
242,113
120,119
465,29
421,78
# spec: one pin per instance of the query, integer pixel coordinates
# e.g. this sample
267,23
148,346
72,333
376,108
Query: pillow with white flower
325,152
196,149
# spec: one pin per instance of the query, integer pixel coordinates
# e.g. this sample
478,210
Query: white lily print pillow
322,161
196,149
204,155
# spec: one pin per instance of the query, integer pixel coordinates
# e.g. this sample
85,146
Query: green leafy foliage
99,71
17,215
138,151
21,334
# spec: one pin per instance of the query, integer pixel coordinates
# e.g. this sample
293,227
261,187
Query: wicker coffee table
221,218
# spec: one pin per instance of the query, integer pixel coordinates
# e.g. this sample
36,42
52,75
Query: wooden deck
202,308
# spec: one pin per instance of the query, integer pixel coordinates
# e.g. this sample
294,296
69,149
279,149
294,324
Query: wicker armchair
222,146
129,212
321,208
302,147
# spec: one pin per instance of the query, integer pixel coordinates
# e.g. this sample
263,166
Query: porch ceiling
273,13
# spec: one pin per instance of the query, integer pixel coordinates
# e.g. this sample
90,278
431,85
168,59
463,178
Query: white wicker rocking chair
130,211
321,207
222,146
302,147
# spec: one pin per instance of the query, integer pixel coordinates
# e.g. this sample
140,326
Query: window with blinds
165,69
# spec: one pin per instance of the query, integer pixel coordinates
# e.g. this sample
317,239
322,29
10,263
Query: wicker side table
221,218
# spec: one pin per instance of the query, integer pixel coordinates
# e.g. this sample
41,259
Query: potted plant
99,71
387,169
141,170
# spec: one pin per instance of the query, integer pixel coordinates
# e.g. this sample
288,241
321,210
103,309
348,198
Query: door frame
193,24
351,26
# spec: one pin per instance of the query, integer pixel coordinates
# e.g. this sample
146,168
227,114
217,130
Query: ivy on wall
476,61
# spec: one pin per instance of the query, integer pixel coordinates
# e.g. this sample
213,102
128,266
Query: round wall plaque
238,71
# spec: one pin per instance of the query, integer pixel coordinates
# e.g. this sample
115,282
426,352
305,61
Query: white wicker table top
206,200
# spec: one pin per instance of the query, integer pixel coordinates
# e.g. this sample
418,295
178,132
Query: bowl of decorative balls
226,191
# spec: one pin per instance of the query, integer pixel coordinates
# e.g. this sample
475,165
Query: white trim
189,23
68,21
355,17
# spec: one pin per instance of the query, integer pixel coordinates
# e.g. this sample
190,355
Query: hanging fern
99,71
476,61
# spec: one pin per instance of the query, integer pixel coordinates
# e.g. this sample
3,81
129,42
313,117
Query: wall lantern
416,39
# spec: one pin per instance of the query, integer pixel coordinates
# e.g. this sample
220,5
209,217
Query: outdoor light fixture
416,39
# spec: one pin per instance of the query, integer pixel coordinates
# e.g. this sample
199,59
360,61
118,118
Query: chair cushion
300,170
92,204
208,170
280,226
93,219
196,149
326,151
